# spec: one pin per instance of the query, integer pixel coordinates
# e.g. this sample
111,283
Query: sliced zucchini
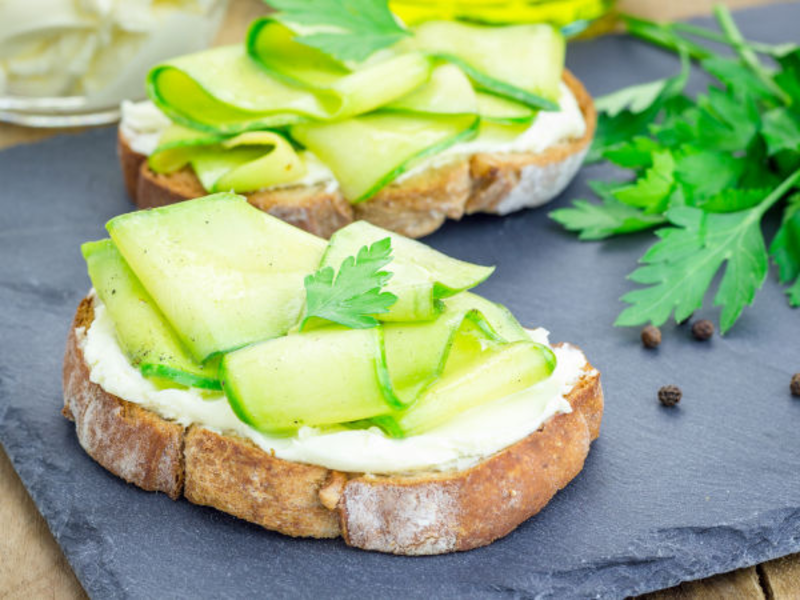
499,110
416,352
212,164
223,91
498,135
248,162
503,323
142,331
421,275
272,45
448,92
222,272
476,373
178,145
281,164
364,88
521,62
334,374
326,376
367,153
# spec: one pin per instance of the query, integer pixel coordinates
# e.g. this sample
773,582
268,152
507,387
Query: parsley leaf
636,154
599,221
681,266
794,293
352,295
615,130
733,199
785,249
635,98
737,77
710,167
652,191
725,122
788,78
360,27
782,130
629,112
707,172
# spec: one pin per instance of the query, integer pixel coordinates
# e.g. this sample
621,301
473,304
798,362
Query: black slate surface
666,495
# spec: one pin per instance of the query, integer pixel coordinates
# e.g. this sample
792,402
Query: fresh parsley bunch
706,169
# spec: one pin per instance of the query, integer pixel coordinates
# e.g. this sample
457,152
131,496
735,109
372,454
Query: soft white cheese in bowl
71,62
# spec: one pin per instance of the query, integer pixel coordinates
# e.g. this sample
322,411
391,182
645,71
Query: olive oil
573,16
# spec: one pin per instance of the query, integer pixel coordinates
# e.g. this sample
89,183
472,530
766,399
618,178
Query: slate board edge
686,561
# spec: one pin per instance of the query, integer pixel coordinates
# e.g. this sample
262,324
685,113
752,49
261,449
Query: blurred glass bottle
572,16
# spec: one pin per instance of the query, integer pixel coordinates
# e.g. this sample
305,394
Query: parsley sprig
353,294
708,168
351,29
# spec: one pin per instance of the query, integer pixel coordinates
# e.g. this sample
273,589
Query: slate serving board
666,495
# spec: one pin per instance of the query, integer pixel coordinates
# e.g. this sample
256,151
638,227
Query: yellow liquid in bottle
573,15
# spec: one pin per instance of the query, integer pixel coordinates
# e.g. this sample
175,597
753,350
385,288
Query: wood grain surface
33,566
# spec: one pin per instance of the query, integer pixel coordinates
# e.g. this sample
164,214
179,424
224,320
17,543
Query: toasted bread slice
423,513
417,206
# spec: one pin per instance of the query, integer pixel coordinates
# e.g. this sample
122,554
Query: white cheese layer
142,124
458,444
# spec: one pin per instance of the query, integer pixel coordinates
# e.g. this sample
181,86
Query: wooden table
33,566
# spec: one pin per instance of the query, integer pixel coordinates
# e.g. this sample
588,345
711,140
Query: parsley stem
778,193
713,36
745,52
664,36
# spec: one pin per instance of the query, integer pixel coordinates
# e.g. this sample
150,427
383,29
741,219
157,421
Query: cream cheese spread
142,127
101,49
455,445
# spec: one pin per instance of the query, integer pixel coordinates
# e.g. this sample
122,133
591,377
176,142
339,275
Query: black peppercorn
795,385
670,395
703,330
651,336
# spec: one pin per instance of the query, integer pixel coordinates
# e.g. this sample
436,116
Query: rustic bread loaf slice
416,206
423,513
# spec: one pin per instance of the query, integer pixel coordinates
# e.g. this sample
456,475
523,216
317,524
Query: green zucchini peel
178,376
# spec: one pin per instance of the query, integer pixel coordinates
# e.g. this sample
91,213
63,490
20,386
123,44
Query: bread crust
415,207
420,204
503,183
420,514
128,440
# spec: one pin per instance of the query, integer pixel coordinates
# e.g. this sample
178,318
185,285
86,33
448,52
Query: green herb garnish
351,296
709,168
350,29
